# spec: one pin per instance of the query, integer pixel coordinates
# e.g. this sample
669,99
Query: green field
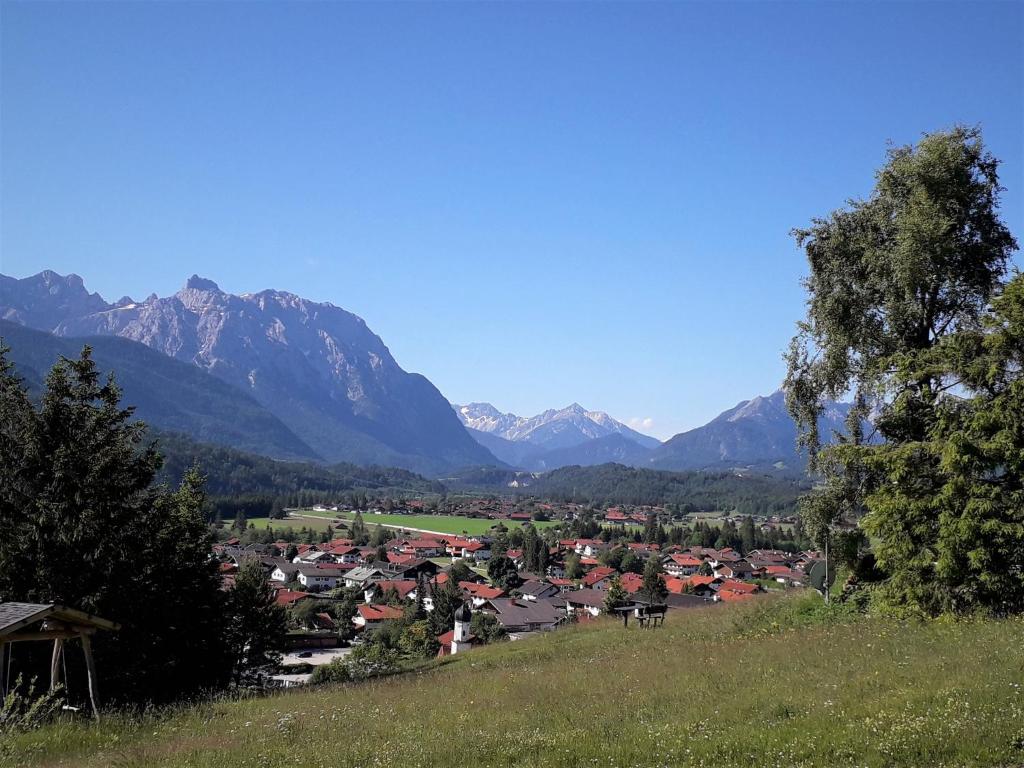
434,523
765,683
294,523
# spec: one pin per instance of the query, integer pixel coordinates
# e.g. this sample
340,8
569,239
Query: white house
318,579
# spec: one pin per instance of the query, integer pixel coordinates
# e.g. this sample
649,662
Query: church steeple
460,638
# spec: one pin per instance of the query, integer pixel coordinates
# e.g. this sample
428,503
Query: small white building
318,579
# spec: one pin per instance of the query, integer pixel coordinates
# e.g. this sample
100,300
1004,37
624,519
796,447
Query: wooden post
5,648
90,667
58,651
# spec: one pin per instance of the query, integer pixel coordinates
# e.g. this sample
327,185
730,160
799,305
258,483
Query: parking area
314,656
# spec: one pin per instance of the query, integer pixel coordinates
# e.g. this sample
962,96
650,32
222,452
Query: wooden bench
651,616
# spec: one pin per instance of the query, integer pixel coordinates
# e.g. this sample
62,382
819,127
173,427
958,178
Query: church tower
461,638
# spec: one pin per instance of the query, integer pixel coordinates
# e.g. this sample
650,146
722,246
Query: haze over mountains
276,374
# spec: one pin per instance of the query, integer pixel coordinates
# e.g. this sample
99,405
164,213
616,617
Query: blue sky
532,204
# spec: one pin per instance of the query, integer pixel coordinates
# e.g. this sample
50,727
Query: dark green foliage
616,596
358,531
487,628
898,313
573,569
460,571
447,599
653,589
503,573
366,661
232,472
84,526
418,640
631,563
256,626
703,491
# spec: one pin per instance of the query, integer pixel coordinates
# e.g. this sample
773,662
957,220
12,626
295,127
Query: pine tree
653,588
83,522
256,624
616,596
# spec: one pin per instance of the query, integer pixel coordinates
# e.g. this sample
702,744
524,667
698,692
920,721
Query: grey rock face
314,365
44,300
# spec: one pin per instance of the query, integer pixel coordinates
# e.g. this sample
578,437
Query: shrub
26,711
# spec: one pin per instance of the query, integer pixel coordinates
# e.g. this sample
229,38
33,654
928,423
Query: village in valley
348,582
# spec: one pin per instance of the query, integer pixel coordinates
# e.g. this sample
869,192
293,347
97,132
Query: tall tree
893,279
503,573
256,625
653,588
85,526
616,596
446,598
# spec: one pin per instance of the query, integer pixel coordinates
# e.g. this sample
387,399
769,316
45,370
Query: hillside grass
769,683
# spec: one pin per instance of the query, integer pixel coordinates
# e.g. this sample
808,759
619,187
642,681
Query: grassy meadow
452,524
295,523
766,683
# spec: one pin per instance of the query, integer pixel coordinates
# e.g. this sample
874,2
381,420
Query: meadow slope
767,684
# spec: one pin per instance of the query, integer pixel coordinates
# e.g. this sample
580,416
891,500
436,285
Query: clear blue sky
531,203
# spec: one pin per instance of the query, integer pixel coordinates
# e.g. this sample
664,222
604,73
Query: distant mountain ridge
755,433
316,367
554,428
554,438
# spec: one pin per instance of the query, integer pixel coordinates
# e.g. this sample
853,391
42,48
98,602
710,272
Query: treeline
230,472
759,495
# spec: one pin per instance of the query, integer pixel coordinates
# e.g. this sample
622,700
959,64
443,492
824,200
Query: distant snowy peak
554,428
484,417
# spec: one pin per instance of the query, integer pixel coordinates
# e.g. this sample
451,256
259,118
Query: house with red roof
700,585
733,589
374,615
598,578
682,564
475,550
480,593
289,597
728,596
631,582
420,547
783,574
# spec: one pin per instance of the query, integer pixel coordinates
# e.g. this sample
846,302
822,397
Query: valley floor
764,683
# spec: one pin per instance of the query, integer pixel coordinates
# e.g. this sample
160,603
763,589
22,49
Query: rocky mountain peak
197,283
317,367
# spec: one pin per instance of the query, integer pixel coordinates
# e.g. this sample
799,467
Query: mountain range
275,374
554,438
315,367
755,434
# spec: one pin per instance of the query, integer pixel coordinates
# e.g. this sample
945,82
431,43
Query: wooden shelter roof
17,616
